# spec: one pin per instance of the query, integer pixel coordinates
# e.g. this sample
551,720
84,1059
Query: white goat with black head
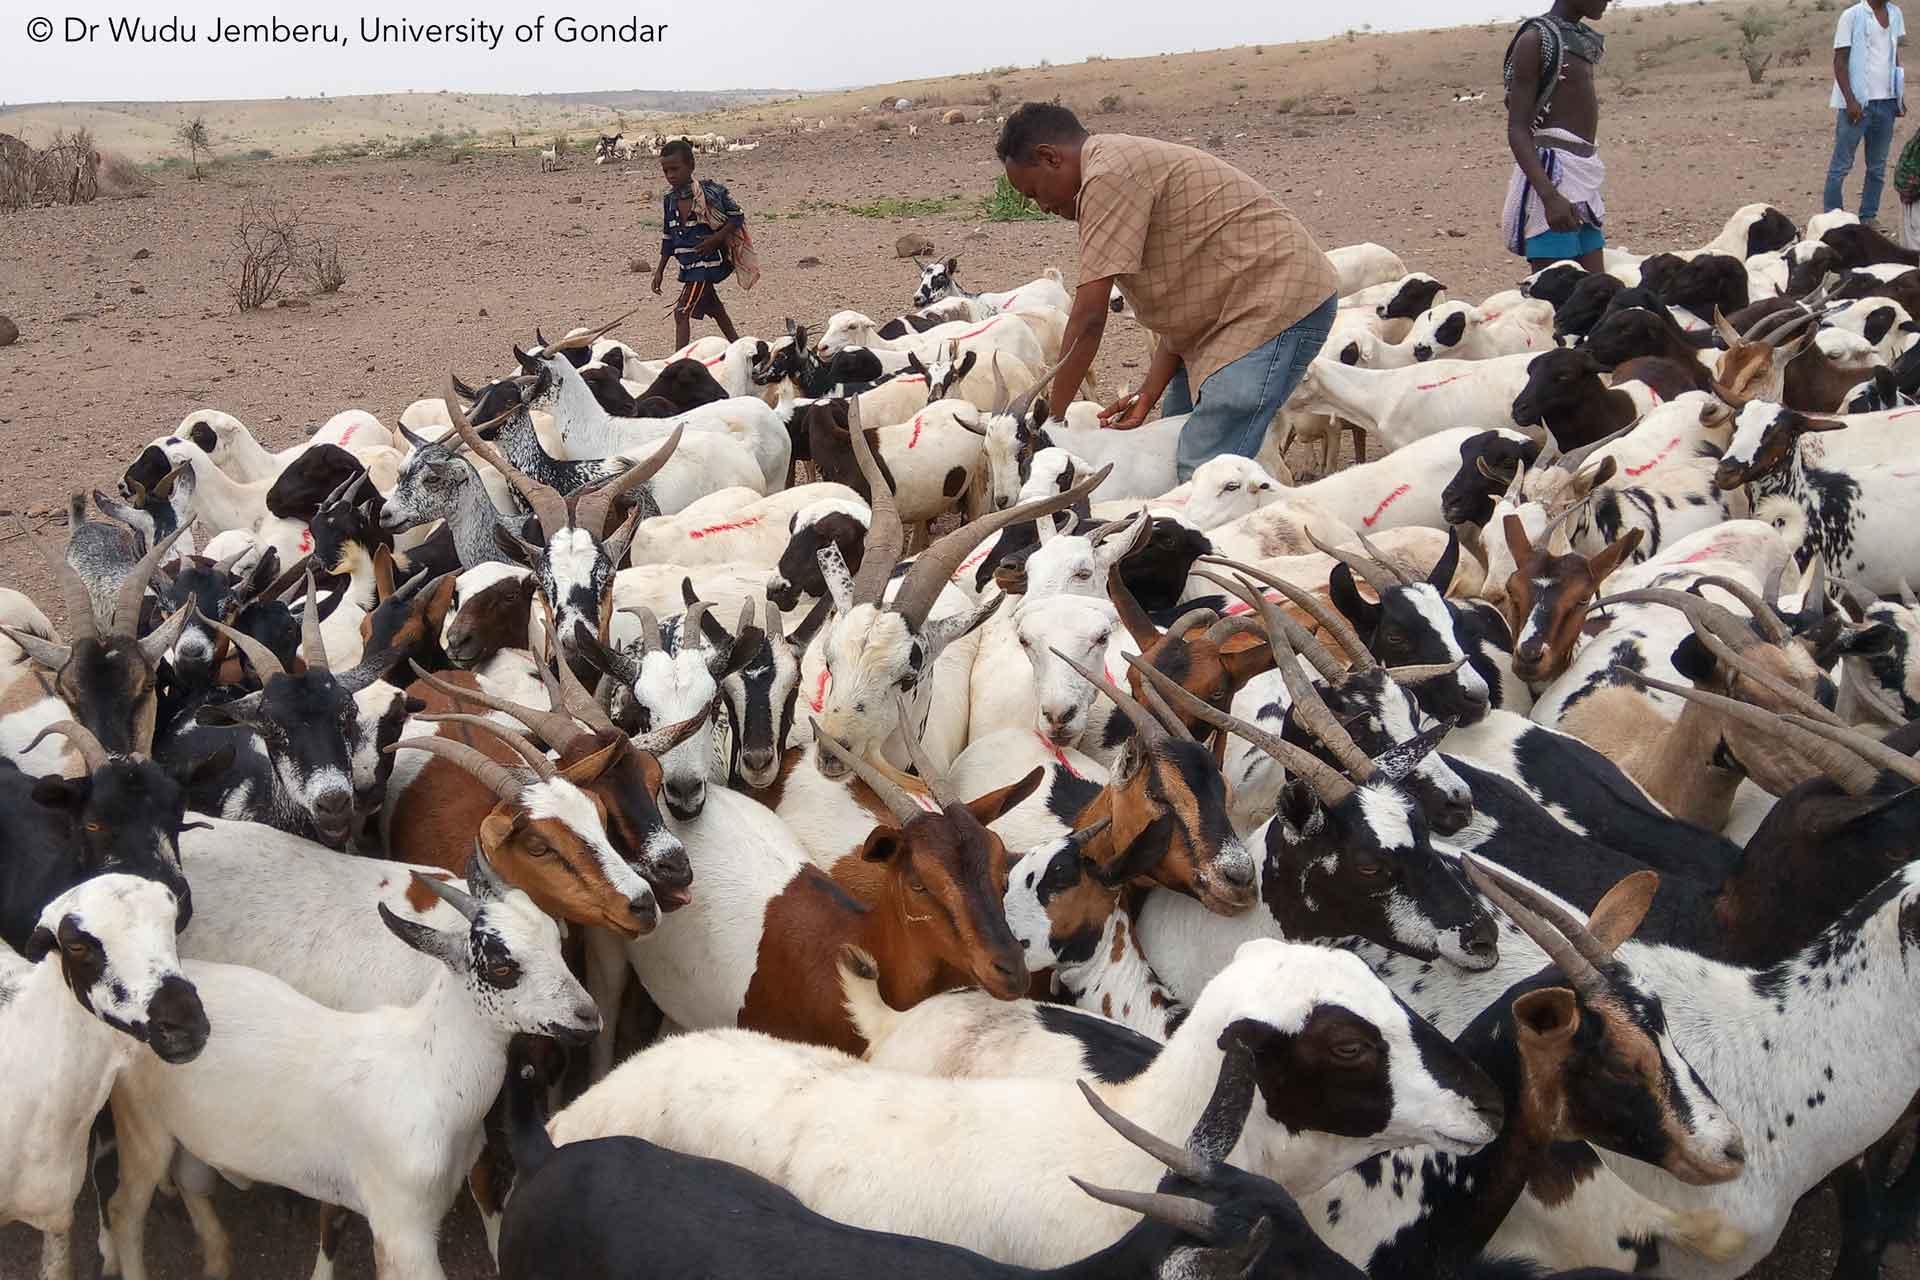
877,648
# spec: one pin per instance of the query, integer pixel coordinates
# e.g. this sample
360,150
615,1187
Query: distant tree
192,134
1754,28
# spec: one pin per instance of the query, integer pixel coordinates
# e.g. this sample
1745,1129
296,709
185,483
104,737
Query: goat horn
82,739
1145,723
1776,337
156,642
582,340
1312,711
1859,597
1550,931
658,742
933,567
1571,462
1191,619
1854,775
504,782
126,606
259,657
574,700
1334,623
937,783
1775,630
1866,746
1907,597
313,646
1304,641
1000,397
555,727
1024,401
1765,679
1193,1218
886,537
81,624
1175,1157
892,794
588,508
453,895
1722,621
1332,786
536,759
1815,596
649,628
1380,559
1420,673
1375,575
548,506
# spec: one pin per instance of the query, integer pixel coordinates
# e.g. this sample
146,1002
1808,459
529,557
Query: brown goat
1799,374
1548,594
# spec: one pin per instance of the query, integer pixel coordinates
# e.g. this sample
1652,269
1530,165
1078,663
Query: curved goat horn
126,604
658,742
1195,1218
649,628
1771,626
95,755
555,727
588,507
1332,621
1145,723
1314,715
1332,786
1018,406
582,340
504,782
902,805
1853,775
1174,1156
933,567
937,783
313,646
886,536
81,624
548,506
536,759
1271,616
1866,746
265,665
1380,558
1525,910
453,895
1373,574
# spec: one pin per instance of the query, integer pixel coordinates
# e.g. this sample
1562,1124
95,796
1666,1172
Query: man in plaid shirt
1239,297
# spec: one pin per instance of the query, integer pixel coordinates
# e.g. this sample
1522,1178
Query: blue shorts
1561,245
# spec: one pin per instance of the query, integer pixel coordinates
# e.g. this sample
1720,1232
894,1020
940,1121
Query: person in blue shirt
697,224
1867,97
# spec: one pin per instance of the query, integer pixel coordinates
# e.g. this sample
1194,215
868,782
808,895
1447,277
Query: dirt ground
450,263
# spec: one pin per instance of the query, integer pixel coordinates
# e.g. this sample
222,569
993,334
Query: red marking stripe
1434,386
1386,502
982,329
819,698
1654,461
729,527
348,434
1060,757
915,438
306,541
973,559
716,360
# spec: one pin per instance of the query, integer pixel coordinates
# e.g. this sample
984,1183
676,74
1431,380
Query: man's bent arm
1521,97
1844,80
1081,343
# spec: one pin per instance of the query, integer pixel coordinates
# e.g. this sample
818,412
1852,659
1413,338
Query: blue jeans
1238,401
1876,127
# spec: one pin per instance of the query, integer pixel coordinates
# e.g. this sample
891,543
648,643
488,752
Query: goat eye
502,973
78,950
916,886
1082,575
1351,1051
1232,488
94,828
539,849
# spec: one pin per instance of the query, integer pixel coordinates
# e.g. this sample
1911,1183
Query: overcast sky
731,44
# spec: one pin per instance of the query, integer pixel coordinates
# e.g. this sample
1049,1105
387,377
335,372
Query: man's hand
656,281
1560,212
1126,413
1855,112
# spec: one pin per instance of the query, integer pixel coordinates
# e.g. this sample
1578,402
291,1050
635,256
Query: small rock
573,199
638,266
1456,235
482,313
137,288
141,255
9,331
294,304
808,261
911,245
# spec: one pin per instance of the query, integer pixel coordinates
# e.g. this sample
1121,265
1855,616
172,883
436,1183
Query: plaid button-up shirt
1209,260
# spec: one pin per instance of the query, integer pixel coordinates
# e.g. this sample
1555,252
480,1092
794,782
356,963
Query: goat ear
953,265
195,773
1549,1016
229,715
509,541
56,792
1442,576
995,803
745,648
383,585
1251,658
1610,559
1299,807
39,943
1346,598
1625,905
881,844
1693,660
1866,642
449,948
966,365
1808,423
1517,544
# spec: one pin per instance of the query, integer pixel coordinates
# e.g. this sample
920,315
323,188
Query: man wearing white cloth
1554,209
1867,96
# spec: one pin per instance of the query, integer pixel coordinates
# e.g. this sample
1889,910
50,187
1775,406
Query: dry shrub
324,266
267,240
1110,102
119,176
16,173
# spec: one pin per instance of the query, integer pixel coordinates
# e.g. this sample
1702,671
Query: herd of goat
990,857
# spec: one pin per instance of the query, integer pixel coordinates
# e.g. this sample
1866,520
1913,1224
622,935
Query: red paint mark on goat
1435,386
1059,756
977,332
306,541
1241,606
1655,460
1386,502
819,698
973,559
914,439
716,360
348,434
728,527
1902,413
